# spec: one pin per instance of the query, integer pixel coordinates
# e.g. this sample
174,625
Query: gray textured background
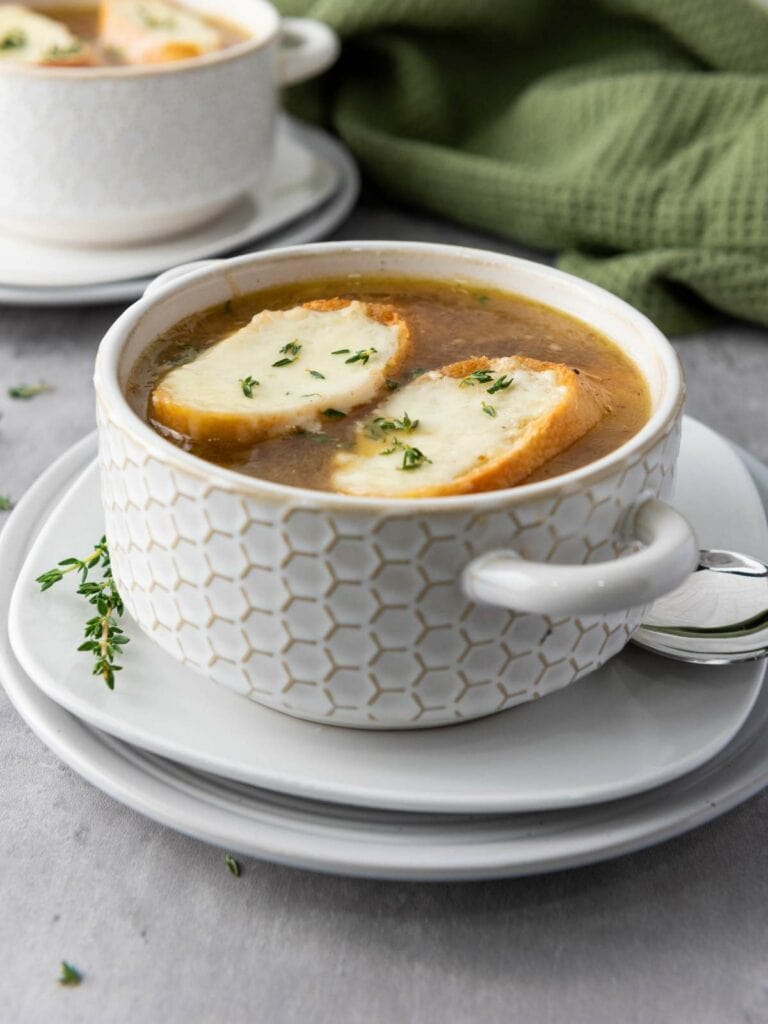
163,932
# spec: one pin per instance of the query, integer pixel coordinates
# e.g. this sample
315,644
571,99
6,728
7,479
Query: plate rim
723,789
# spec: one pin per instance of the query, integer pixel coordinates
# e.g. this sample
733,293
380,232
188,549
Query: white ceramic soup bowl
397,613
114,155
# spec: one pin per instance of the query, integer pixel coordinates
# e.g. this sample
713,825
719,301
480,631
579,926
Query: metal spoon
719,615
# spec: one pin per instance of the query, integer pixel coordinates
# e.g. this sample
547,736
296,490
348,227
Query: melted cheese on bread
287,369
476,425
152,31
30,38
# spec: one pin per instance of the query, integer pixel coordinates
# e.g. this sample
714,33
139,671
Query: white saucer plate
635,724
314,185
346,840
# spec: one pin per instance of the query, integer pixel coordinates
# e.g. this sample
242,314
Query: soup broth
448,322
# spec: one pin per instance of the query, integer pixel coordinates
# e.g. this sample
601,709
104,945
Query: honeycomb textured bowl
344,611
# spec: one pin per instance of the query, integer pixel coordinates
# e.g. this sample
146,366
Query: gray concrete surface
163,933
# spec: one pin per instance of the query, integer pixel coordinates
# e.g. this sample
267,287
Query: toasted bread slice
153,31
287,369
477,425
27,37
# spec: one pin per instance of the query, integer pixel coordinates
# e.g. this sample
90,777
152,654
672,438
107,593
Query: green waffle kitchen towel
631,136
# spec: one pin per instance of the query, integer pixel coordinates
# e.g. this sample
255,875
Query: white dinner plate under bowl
635,724
347,840
314,184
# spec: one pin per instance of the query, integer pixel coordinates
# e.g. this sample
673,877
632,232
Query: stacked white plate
638,752
313,185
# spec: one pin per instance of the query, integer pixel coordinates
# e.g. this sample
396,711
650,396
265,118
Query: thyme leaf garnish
69,974
290,353
5,503
501,384
488,409
103,636
392,385
341,352
26,391
316,373
417,372
57,52
247,385
334,414
413,458
478,377
155,21
186,355
232,865
361,356
379,426
13,39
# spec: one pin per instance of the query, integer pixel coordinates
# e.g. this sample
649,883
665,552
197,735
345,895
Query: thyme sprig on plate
290,353
26,391
103,637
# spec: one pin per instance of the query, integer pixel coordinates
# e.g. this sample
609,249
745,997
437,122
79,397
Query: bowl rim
117,410
82,74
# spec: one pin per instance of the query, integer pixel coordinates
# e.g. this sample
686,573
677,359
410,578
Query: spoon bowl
719,615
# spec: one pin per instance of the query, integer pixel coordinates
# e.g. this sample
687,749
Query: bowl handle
670,554
307,48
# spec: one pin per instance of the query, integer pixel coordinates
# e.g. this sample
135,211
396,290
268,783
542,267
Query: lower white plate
315,183
637,723
347,840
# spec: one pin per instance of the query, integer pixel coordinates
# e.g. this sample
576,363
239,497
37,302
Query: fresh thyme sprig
247,384
28,390
103,636
334,414
290,354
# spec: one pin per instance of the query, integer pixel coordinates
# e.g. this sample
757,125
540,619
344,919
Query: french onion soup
390,387
112,32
